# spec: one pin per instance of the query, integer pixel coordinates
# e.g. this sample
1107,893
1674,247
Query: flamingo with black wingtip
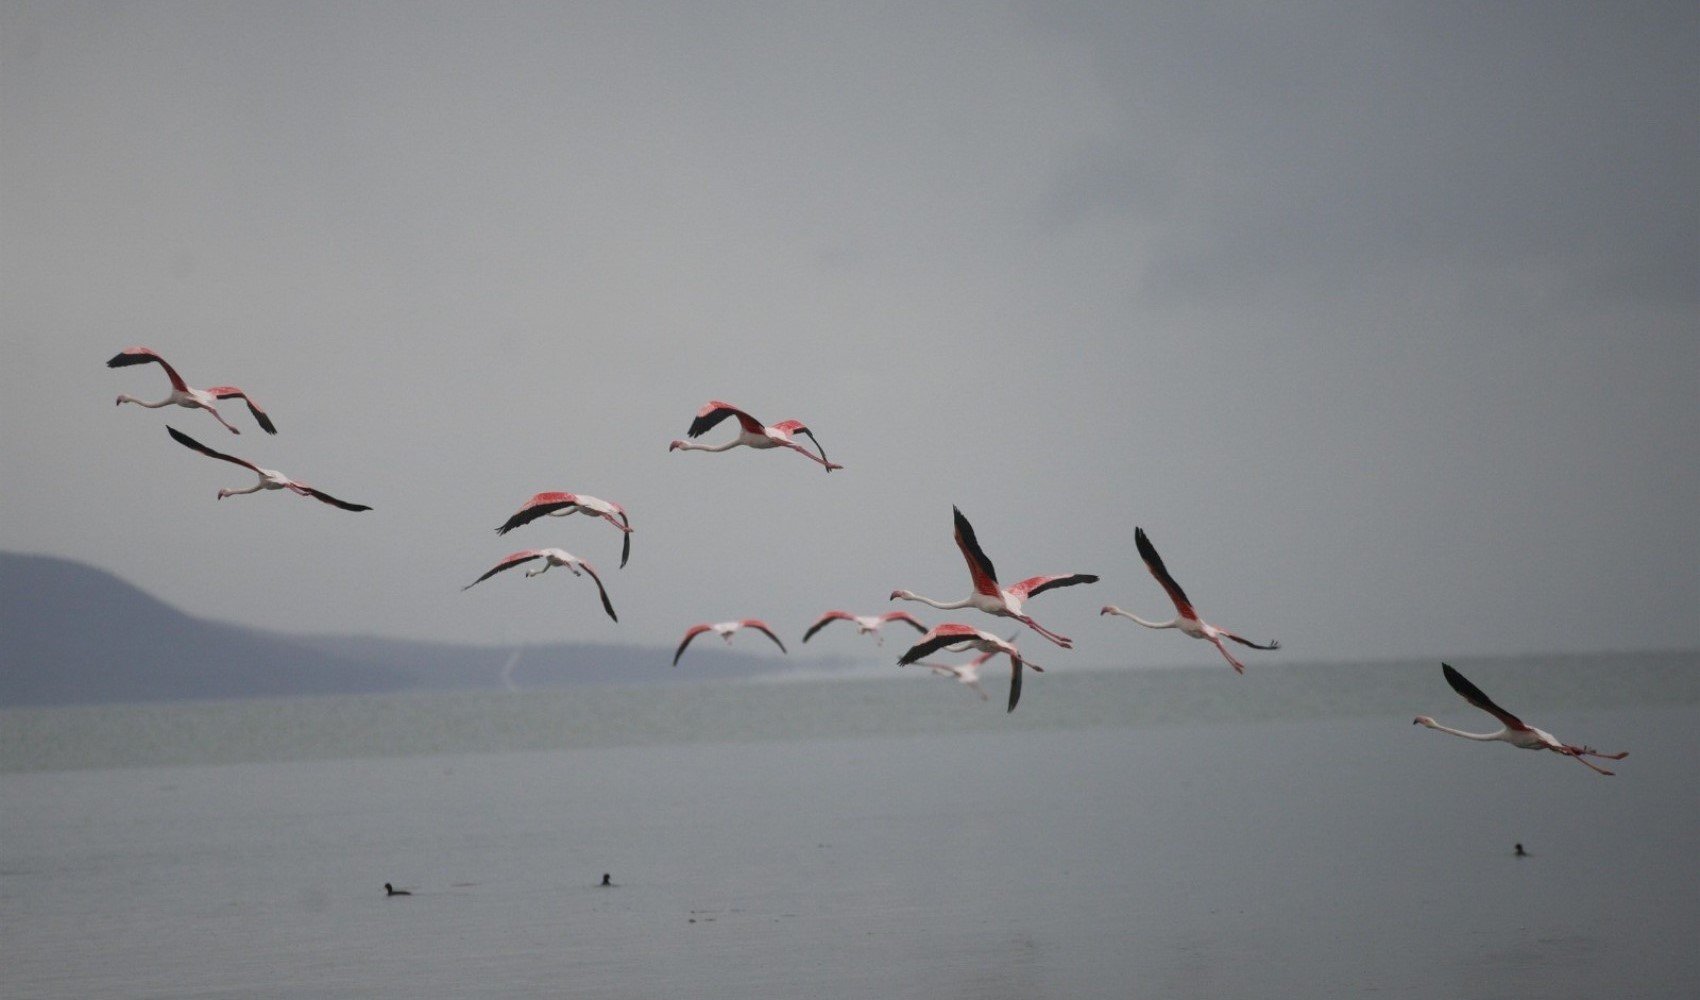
751,433
270,479
725,631
1514,731
1186,619
564,504
956,636
550,557
865,624
988,595
182,395
964,673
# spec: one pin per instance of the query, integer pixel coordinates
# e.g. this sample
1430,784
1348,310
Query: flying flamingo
964,673
563,504
1187,620
865,624
751,433
270,479
182,395
1515,731
550,557
724,630
991,598
954,636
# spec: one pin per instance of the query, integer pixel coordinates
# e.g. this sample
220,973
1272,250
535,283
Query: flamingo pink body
865,624
1514,730
550,557
1186,620
725,631
988,595
183,395
565,504
751,433
957,636
270,479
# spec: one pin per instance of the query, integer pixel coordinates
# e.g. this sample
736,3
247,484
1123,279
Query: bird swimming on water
390,890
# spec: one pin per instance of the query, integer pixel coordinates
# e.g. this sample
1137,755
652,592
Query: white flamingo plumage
182,395
1514,731
725,630
550,557
564,504
865,624
956,636
751,433
1186,619
270,479
988,595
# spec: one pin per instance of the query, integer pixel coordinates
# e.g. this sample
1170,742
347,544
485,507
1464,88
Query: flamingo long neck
167,401
941,605
693,446
1171,623
1483,737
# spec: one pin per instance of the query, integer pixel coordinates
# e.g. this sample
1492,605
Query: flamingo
564,504
182,395
1515,731
865,624
991,598
550,557
964,673
955,636
724,630
1187,619
751,433
270,479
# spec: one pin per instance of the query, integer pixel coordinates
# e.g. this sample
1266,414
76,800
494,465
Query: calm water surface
1173,834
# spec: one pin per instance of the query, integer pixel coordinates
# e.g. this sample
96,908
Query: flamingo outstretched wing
144,356
317,494
509,561
1034,586
714,411
539,505
1474,696
231,392
762,627
690,633
1154,563
189,442
979,566
906,618
824,620
607,605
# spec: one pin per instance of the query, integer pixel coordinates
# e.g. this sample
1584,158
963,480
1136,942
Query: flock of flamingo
988,596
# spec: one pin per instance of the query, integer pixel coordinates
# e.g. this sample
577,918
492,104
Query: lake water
1182,833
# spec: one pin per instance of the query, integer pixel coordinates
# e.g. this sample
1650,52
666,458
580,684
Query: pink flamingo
865,624
751,433
991,598
182,395
564,504
1187,620
550,557
724,630
955,636
270,479
1515,731
964,673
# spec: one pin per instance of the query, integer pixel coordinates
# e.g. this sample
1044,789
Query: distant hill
73,634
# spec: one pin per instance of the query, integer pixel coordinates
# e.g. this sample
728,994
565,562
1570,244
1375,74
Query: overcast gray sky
1382,319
